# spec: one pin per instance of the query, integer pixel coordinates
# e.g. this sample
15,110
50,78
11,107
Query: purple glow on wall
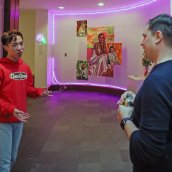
55,81
53,28
108,11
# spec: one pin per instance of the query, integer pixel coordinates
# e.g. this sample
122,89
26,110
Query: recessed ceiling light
100,4
61,8
115,10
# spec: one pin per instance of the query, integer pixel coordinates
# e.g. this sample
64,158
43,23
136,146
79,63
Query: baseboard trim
113,91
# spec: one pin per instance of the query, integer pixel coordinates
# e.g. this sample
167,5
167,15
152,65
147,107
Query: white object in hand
127,96
126,111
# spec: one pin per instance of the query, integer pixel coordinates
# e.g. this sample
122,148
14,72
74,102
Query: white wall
129,26
66,41
49,50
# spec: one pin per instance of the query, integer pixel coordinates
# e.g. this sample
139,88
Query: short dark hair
163,23
111,47
9,36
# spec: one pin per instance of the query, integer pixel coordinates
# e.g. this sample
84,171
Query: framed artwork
81,28
97,55
82,70
114,53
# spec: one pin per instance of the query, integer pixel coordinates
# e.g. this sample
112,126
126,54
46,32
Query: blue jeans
10,135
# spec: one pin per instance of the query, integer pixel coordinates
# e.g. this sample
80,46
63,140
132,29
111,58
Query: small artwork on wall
82,28
114,53
82,70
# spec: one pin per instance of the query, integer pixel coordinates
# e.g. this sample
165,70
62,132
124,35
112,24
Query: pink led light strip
108,11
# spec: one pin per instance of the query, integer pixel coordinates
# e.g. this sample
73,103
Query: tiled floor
73,132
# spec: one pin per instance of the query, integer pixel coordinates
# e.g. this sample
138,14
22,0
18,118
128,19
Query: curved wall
129,26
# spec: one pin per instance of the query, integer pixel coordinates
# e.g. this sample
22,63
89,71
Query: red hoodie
15,85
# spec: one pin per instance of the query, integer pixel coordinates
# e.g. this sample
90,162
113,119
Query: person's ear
158,37
5,47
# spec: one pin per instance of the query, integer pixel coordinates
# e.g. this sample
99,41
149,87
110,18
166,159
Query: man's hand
47,93
22,116
124,112
126,95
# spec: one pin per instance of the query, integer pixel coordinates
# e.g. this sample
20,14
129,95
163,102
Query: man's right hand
125,95
22,116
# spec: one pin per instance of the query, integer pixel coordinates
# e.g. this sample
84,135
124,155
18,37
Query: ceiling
80,6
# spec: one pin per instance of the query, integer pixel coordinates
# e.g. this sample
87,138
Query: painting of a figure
114,53
97,55
82,70
82,28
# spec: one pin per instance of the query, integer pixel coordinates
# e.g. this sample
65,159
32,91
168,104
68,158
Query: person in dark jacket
149,124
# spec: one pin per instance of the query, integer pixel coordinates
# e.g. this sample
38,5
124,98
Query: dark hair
163,23
100,34
9,36
111,47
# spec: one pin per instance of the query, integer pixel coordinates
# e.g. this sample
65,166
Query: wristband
124,121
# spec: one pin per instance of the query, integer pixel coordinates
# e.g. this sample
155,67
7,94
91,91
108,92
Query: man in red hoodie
16,84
